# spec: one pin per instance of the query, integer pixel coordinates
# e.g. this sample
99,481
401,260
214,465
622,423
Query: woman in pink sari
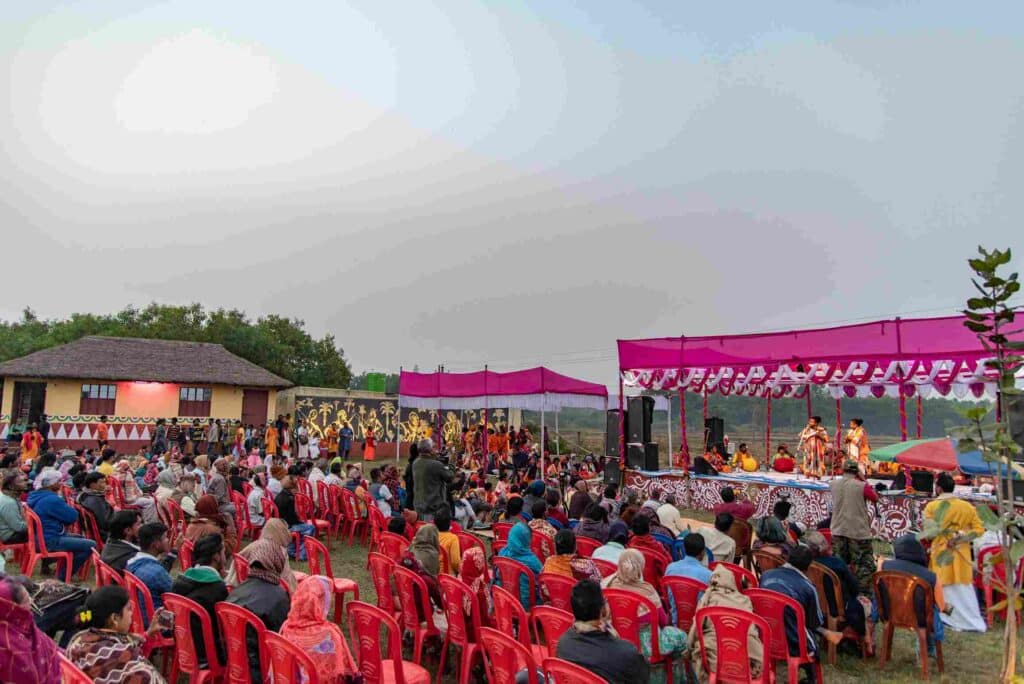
308,628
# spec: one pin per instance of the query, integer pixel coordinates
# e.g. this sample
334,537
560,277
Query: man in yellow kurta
958,518
857,444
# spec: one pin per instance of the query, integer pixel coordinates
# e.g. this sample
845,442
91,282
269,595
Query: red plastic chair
185,554
894,594
320,564
322,504
606,568
630,612
105,575
241,568
542,546
549,624
563,672
772,606
246,489
655,563
731,627
175,520
995,572
70,674
365,622
683,592
557,589
305,487
740,574
463,626
90,528
510,571
36,547
382,569
289,664
270,511
335,509
393,545
585,546
234,620
306,511
186,612
468,541
501,531
352,521
504,657
417,613
243,521
142,600
511,619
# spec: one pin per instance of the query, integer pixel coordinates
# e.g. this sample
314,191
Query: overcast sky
508,182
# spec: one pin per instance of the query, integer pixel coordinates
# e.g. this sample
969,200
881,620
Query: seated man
855,608
669,516
204,584
792,581
692,564
54,513
738,507
13,528
717,539
447,542
93,498
151,562
591,644
285,501
912,559
618,535
120,547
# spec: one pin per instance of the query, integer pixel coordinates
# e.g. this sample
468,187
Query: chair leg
793,670
938,656
444,656
466,664
922,647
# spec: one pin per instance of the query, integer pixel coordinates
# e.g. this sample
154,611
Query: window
194,401
98,400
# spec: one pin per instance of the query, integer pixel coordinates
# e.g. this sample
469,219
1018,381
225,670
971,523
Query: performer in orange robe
857,445
813,442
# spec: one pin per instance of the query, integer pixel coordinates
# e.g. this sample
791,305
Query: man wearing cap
851,525
54,514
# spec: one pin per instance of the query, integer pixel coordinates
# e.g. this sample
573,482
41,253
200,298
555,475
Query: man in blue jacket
55,513
147,564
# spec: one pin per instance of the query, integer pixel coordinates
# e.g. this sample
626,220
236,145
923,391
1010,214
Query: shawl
543,527
473,571
275,530
308,628
109,657
217,487
267,560
167,479
391,480
27,655
722,591
630,576
518,547
770,531
425,547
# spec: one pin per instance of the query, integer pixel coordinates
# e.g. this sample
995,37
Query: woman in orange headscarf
308,628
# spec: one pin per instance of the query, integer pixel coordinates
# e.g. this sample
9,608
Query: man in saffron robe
857,444
813,442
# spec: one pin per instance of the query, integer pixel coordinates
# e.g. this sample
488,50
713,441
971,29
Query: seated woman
132,493
423,557
717,459
567,562
911,559
856,611
722,591
594,523
772,531
262,594
28,654
209,520
518,548
106,651
474,572
308,628
276,531
630,577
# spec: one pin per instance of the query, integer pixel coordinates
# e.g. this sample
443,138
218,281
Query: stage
893,516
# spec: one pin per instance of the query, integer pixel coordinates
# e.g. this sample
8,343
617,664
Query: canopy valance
533,389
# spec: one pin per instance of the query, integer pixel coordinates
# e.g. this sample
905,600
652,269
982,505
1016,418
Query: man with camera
431,479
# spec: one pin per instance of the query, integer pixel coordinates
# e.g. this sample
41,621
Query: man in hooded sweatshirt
93,498
55,513
120,547
204,584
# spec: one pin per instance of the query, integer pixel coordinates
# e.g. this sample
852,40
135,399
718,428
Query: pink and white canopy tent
899,358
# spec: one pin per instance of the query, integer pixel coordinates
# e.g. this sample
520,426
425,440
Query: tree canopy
279,344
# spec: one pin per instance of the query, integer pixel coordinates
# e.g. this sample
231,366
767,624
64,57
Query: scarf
266,560
308,628
518,547
28,655
630,576
425,549
391,480
722,591
473,571
167,479
276,531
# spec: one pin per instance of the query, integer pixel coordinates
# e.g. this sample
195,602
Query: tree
279,344
990,316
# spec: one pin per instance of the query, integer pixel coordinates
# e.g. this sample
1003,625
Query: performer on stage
857,445
813,441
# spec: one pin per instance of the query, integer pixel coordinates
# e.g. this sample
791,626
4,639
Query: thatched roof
130,358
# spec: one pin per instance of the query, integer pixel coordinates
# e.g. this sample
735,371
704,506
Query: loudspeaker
651,456
635,456
611,434
922,481
714,431
611,472
639,418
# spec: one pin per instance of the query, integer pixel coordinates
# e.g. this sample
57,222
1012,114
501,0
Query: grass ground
968,657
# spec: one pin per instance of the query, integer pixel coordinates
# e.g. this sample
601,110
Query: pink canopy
533,389
923,355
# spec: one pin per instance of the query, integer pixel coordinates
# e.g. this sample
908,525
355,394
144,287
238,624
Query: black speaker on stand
651,457
635,456
714,432
611,434
612,474
639,418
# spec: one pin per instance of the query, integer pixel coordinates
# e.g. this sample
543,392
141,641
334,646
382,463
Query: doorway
29,402
254,407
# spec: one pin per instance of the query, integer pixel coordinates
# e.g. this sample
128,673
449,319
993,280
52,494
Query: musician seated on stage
783,461
744,460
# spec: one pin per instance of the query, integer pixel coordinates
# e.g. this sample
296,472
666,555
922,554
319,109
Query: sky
509,183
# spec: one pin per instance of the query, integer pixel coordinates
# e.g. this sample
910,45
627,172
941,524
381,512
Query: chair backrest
188,613
504,656
468,541
142,602
742,533
349,504
393,545
304,506
70,674
682,593
509,615
378,525
234,622
630,612
606,568
742,575
510,571
105,575
381,570
246,489
731,628
175,518
764,561
586,546
462,608
830,591
90,528
34,528
289,664
322,496
304,486
551,623
334,500
652,561
776,609
241,568
365,622
319,558
501,531
185,554
242,518
558,589
269,509
563,672
413,597
895,595
542,546
116,488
